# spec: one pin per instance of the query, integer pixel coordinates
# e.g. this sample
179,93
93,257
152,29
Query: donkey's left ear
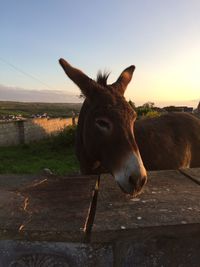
124,79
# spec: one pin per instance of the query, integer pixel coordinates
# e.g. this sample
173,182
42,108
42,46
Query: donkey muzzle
132,176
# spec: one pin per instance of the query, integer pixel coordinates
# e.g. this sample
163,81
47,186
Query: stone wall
19,132
9,133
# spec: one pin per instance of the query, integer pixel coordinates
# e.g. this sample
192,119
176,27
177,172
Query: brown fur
91,146
170,141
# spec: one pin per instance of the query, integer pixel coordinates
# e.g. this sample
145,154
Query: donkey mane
102,77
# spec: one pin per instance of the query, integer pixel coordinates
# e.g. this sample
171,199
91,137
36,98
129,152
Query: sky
161,38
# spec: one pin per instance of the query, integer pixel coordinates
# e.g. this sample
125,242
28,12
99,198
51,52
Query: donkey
109,139
171,141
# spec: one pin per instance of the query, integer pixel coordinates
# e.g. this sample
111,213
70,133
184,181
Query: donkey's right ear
78,77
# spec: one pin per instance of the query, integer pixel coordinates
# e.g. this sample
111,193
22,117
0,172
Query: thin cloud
8,93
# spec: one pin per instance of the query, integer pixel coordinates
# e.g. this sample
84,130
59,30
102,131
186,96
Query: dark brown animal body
171,141
108,141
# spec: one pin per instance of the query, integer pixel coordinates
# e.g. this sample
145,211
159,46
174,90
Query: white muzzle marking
133,167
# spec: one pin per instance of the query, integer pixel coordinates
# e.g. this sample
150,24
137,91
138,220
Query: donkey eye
103,124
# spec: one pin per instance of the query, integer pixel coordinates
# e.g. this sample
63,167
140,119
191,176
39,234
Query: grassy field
27,109
54,153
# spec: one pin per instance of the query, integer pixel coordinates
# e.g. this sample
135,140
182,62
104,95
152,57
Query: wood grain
169,199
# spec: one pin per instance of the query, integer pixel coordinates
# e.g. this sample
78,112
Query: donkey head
105,137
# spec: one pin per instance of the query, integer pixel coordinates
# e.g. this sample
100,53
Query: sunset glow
162,39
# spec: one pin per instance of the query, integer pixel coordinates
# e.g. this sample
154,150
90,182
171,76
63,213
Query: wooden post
20,125
73,118
73,121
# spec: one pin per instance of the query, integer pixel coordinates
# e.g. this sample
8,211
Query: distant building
10,117
178,109
160,110
44,115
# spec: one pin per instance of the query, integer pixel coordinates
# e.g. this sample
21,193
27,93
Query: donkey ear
124,79
77,76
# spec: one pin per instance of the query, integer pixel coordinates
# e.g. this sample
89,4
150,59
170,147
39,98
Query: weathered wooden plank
169,199
11,211
193,174
13,181
50,209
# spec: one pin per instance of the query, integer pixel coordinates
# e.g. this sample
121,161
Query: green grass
27,109
54,153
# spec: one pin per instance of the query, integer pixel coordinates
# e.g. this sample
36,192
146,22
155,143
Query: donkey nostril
135,181
132,180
